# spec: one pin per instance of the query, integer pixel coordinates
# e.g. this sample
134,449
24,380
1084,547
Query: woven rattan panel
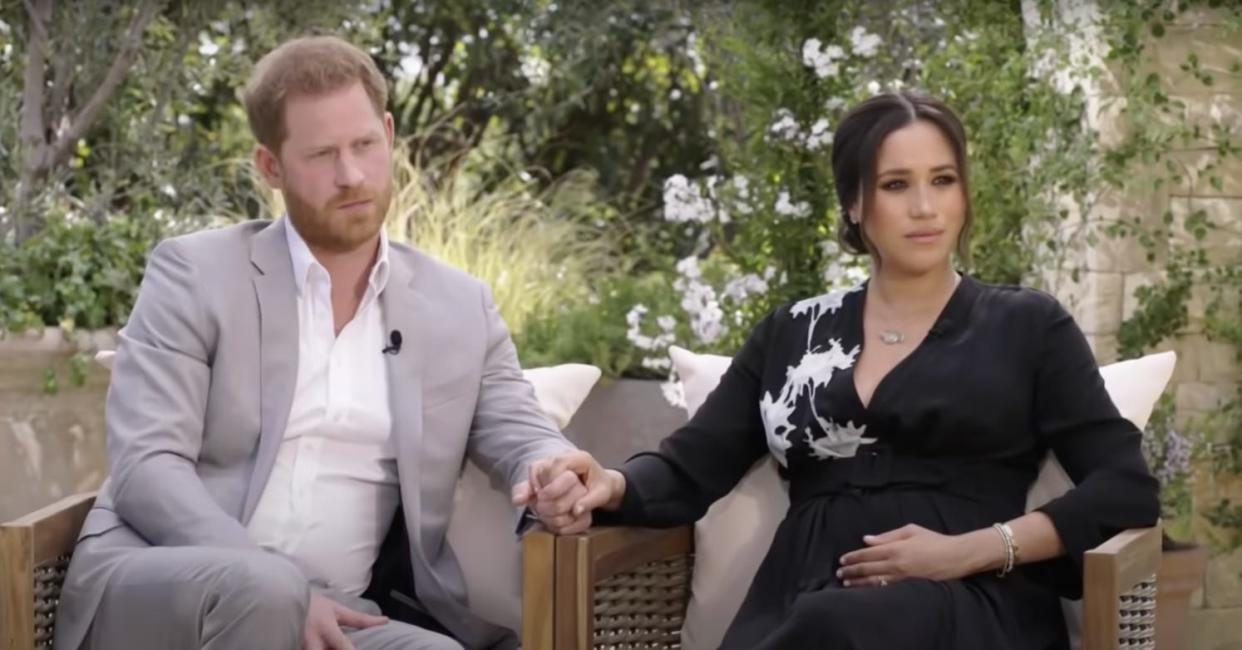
1138,616
643,608
48,579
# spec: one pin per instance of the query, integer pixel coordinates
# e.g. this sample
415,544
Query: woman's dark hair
857,143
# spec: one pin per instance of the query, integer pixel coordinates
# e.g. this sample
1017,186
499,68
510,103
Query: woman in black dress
909,416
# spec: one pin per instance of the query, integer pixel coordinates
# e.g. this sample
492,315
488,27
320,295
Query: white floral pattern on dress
814,370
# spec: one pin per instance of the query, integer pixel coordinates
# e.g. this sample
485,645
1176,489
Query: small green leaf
51,385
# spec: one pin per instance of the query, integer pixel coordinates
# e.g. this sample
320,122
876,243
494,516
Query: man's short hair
311,65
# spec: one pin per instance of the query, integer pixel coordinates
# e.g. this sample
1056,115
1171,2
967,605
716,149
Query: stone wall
1111,271
51,445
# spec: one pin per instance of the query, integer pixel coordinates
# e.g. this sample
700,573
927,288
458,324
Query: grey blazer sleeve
155,411
509,430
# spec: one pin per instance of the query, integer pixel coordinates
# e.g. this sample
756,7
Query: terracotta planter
1181,573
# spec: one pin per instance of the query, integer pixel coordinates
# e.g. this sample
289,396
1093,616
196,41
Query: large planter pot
1181,573
51,444
623,417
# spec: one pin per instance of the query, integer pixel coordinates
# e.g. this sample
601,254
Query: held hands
916,552
324,619
563,490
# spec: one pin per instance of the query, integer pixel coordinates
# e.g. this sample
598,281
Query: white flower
742,185
536,70
741,192
635,315
810,51
863,43
674,94
873,87
785,126
835,104
410,66
833,274
689,267
666,323
786,208
206,46
819,136
740,289
684,202
824,60
4,28
169,191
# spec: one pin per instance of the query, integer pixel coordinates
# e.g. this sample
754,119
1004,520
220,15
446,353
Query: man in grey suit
291,405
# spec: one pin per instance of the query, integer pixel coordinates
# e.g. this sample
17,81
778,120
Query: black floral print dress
951,441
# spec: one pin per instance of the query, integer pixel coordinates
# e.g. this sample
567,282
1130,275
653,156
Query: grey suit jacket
201,389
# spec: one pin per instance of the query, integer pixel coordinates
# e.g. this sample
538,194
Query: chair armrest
613,586
1119,591
34,554
538,588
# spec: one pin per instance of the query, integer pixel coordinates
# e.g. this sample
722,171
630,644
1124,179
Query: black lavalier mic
394,342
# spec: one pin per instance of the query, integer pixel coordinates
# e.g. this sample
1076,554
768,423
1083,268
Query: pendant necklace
896,337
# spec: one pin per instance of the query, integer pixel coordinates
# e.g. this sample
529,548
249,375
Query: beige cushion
481,529
733,537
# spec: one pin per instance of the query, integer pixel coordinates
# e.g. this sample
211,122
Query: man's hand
563,490
916,552
324,619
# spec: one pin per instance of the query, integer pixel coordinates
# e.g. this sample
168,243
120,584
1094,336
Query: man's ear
268,164
389,128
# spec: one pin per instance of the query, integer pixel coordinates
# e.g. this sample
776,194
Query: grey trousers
190,597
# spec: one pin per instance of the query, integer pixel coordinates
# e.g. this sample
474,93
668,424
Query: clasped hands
563,491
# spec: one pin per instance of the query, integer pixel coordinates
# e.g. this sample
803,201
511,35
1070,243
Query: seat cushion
733,537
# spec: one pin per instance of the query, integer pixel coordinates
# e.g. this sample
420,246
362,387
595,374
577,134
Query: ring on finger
883,581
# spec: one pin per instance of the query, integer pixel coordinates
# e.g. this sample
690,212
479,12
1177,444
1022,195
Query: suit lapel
403,306
278,350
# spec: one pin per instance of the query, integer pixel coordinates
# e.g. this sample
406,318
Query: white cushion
732,538
741,526
481,529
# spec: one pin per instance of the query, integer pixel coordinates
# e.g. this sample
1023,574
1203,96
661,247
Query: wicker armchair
627,588
34,554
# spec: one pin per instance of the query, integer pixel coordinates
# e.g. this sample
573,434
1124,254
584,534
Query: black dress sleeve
704,459
1100,450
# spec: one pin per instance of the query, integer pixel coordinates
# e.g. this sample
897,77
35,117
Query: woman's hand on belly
916,552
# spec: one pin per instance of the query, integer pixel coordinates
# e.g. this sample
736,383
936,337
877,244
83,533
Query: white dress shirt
333,489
